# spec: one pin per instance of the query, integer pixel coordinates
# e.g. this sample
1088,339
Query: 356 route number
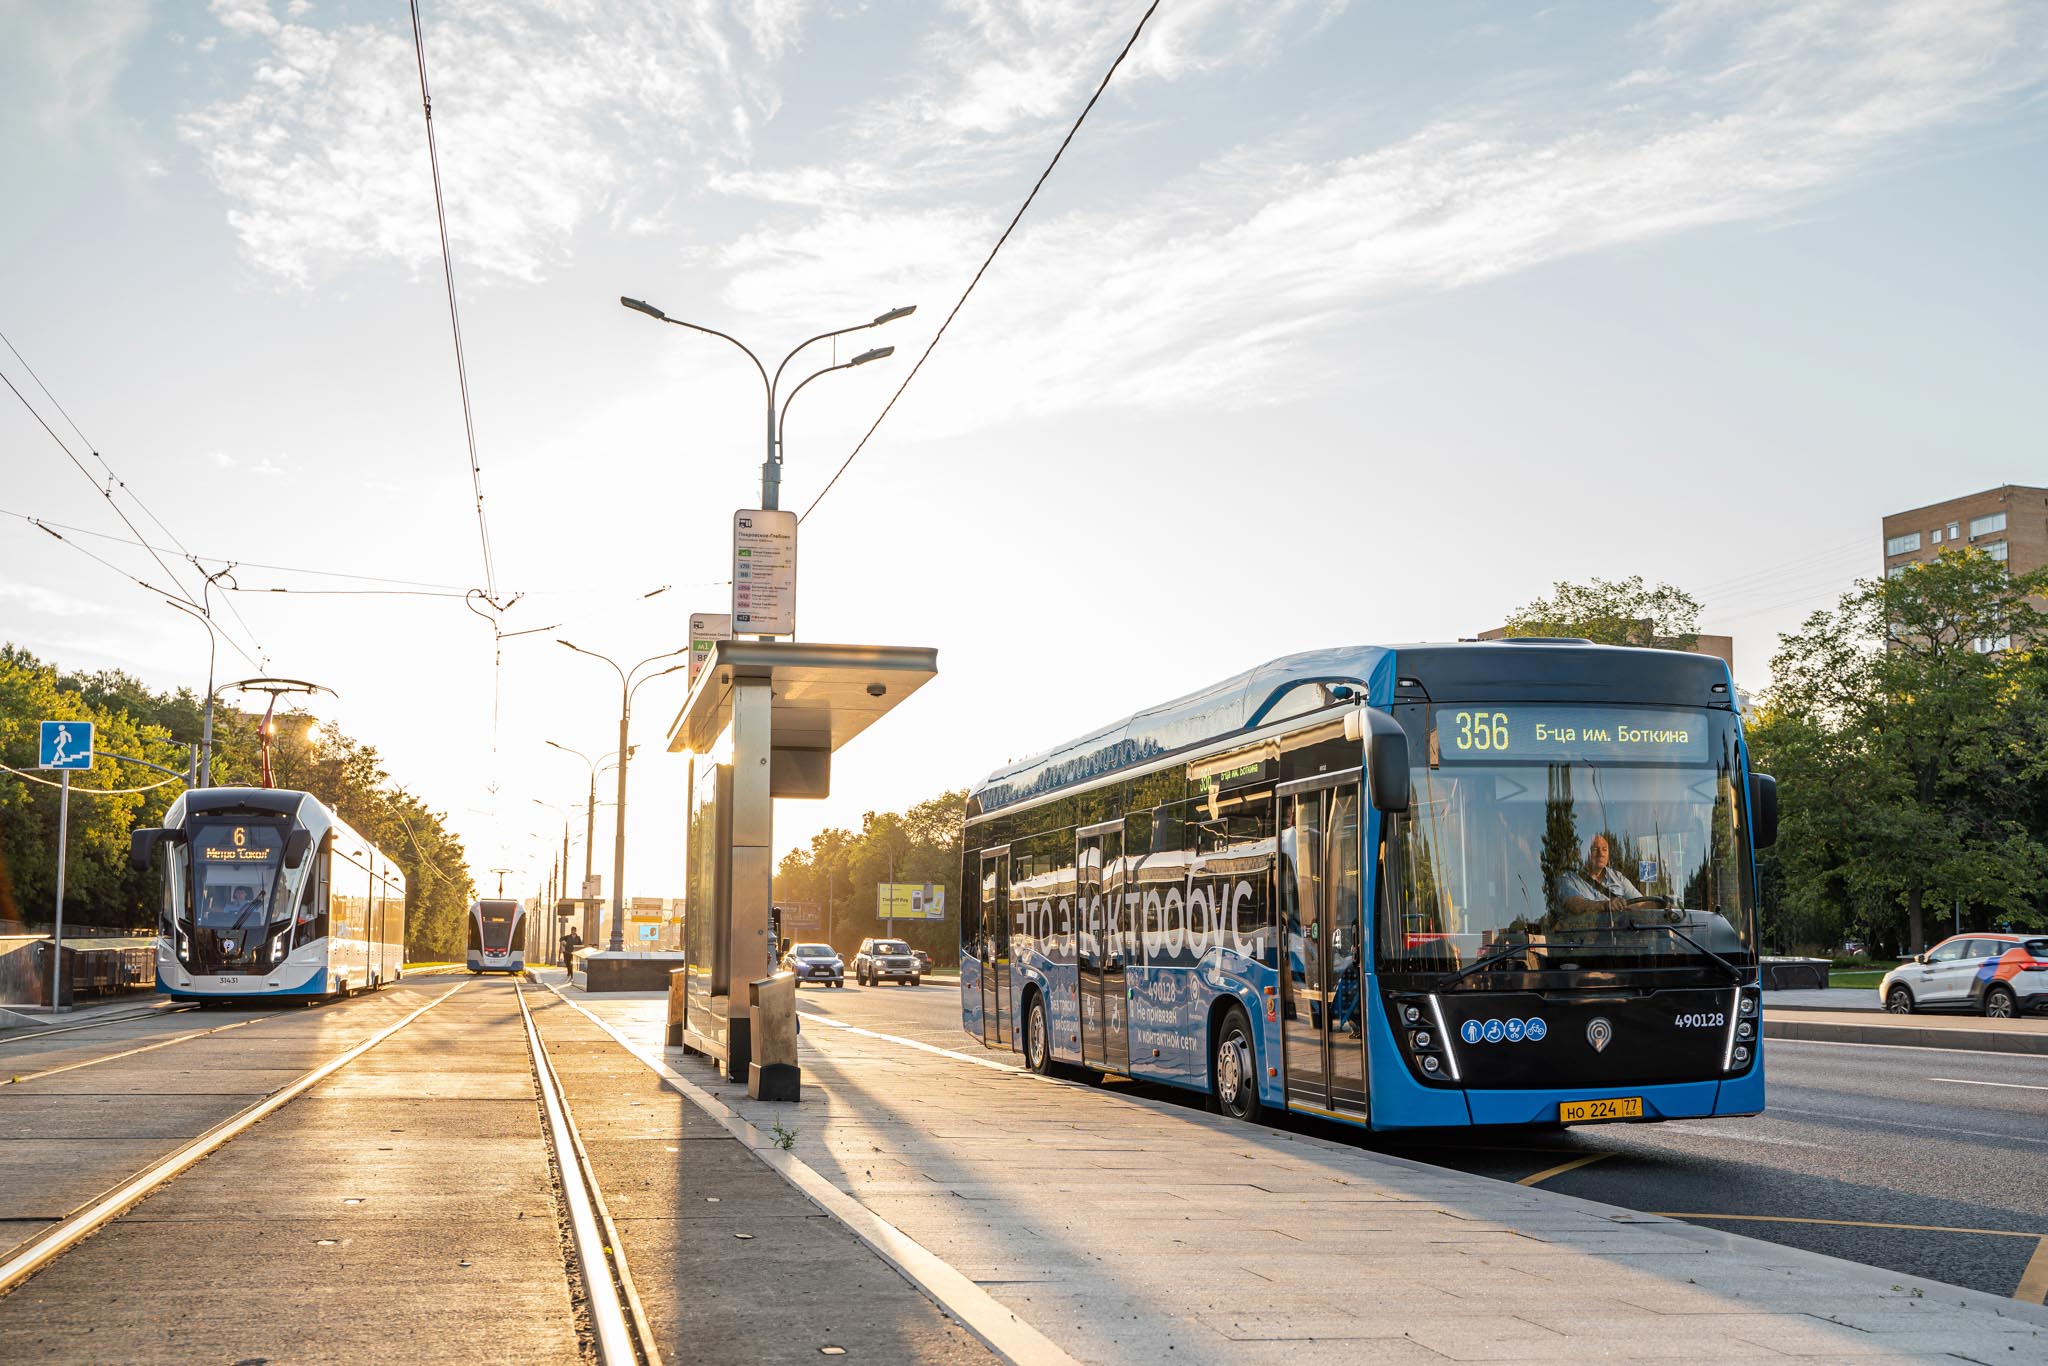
1480,730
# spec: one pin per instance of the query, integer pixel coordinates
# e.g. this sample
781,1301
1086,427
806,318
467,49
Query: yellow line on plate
2034,1280
1561,1168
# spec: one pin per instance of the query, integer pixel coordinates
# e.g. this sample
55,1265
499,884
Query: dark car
924,961
885,960
817,963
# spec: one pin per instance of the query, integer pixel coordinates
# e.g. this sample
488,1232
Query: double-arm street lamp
628,685
771,468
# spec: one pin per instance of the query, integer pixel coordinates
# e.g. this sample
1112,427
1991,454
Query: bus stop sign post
67,747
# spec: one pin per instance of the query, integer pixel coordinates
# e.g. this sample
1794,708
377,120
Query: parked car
2000,975
924,962
816,963
882,960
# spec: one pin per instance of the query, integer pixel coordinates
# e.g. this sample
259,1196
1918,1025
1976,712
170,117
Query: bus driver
1599,886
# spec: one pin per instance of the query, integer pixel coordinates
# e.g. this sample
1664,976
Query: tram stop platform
1060,1221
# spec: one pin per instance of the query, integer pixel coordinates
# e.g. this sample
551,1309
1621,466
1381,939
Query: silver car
818,963
2000,975
882,960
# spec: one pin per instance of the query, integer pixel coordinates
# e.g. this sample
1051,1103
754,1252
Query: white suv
2000,975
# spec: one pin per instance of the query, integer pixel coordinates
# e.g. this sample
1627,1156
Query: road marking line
1902,1124
59,1238
913,1043
1783,1040
2034,1280
2008,1085
1859,1223
1561,1168
1000,1327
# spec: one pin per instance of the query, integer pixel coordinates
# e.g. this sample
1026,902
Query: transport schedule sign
706,630
763,572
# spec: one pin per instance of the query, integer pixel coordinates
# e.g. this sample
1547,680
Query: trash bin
772,1071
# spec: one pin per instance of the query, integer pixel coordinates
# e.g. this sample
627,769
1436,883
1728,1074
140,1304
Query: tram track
612,1327
46,1247
619,1328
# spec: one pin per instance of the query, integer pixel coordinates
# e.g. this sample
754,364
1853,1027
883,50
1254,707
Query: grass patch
1867,978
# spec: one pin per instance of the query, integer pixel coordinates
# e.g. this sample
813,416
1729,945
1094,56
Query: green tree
1625,612
1905,727
841,869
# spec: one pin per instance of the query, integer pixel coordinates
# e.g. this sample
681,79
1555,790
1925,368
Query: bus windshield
1560,838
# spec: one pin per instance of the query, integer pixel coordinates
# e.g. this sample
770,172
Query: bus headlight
1741,1055
1431,1065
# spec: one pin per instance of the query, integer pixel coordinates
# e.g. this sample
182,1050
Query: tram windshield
1570,839
238,874
496,920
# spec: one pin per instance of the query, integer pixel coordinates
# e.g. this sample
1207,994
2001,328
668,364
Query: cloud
546,116
65,60
34,597
1215,282
222,459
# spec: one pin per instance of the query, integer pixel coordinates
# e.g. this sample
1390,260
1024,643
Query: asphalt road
1855,1139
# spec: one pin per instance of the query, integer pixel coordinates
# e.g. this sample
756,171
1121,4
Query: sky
1338,323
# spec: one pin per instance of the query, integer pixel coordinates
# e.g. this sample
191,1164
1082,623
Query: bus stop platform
1061,1221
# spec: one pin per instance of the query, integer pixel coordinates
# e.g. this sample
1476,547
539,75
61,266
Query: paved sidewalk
731,1262
1128,1229
1833,998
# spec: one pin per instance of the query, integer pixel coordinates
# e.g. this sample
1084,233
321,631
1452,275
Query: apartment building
2009,523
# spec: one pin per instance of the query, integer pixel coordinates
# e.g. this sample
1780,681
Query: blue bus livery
1504,882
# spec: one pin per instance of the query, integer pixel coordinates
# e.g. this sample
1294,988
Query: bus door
1322,908
1098,890
995,947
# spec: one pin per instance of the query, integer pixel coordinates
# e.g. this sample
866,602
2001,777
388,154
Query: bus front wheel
1234,1069
1037,1039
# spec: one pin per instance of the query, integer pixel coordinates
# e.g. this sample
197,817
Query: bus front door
1323,1051
995,948
1099,952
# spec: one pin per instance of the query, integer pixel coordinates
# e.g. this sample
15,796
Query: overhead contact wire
1014,220
476,473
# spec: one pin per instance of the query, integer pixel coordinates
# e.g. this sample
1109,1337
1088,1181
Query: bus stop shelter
762,721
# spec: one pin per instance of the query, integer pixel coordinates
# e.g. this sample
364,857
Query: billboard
910,901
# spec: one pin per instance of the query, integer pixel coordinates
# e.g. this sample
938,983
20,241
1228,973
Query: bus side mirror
1763,810
296,846
1386,757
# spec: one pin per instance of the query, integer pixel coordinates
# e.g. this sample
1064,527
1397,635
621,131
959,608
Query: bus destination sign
1567,734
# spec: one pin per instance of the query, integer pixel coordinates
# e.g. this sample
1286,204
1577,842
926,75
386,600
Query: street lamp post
597,766
771,467
628,685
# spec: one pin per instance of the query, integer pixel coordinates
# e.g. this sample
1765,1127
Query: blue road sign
66,744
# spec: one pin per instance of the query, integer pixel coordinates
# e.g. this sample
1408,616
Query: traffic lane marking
1561,1168
1902,1124
2008,1085
2034,1280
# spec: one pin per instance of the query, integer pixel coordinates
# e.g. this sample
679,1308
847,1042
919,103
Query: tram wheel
1234,1069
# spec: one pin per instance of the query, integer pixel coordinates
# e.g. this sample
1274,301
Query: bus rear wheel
1234,1069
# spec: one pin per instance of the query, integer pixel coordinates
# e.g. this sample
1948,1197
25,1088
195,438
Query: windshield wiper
1501,956
1734,973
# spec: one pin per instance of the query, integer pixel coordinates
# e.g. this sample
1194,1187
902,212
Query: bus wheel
1037,1039
1234,1070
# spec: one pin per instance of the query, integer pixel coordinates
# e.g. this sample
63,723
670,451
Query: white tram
268,893
497,936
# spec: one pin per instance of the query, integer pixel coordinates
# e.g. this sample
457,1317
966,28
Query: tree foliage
1906,728
842,868
1626,612
101,889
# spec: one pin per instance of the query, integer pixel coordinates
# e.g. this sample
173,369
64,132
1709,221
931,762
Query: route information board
706,629
763,573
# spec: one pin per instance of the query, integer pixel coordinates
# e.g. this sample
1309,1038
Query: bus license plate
1588,1111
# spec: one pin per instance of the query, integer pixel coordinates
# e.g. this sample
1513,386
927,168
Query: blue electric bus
268,893
1501,882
